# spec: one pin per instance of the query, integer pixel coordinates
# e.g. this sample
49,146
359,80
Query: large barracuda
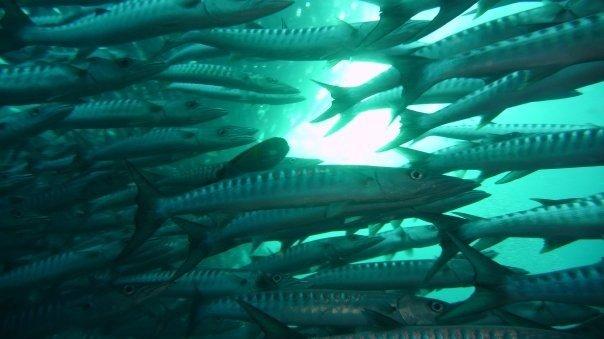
521,155
553,48
132,20
488,102
498,285
224,76
313,43
297,187
41,82
329,308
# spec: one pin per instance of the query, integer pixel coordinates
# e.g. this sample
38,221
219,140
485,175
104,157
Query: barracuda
138,113
236,95
521,155
36,121
41,82
493,131
314,43
329,308
224,76
131,20
547,48
284,188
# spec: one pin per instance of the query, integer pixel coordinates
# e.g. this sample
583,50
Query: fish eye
191,104
124,62
416,175
16,213
128,289
277,278
437,306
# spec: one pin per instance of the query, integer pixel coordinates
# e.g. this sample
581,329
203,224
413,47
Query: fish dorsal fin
272,327
353,30
412,155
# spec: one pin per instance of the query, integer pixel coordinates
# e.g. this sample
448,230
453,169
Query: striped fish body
317,185
585,214
392,275
472,132
132,20
580,285
325,308
236,95
576,148
461,332
229,77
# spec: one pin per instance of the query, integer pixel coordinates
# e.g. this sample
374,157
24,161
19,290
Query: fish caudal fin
341,101
411,128
146,220
197,235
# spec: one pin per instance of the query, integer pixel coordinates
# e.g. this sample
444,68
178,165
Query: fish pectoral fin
335,209
272,327
380,320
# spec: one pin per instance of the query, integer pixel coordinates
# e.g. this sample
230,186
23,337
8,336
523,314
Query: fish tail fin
448,252
146,220
197,234
488,274
342,100
345,119
12,23
411,128
411,71
272,327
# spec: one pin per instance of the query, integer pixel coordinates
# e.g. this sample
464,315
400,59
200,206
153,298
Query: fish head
111,71
192,109
419,310
229,12
418,186
266,281
356,243
226,137
268,84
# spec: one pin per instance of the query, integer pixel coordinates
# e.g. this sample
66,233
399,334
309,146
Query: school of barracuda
122,190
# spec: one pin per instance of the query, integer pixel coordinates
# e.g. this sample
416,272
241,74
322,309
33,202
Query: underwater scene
302,169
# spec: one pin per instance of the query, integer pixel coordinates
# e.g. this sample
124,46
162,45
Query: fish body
473,132
229,77
235,95
328,308
36,120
